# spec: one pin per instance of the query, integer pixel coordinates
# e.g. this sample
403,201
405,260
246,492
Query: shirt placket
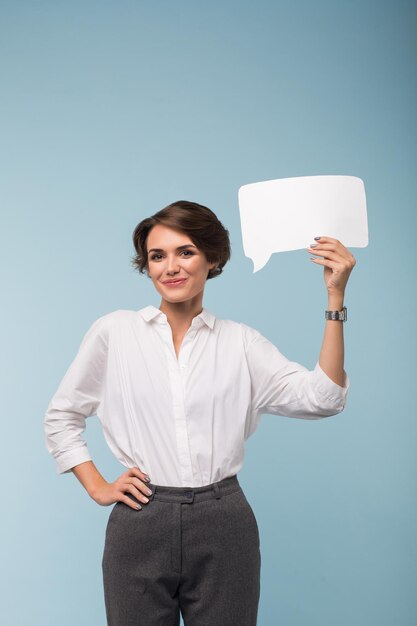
177,369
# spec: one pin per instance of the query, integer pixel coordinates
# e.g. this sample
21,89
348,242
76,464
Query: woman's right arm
77,397
132,481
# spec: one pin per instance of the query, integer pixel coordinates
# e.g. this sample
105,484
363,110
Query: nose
172,265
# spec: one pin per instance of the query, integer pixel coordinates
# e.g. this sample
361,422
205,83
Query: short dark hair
195,220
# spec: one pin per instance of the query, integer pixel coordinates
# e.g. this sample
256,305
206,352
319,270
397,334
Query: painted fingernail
313,245
148,480
317,238
138,507
149,492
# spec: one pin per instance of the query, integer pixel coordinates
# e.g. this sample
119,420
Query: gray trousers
193,551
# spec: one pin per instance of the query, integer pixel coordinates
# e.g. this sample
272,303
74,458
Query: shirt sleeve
77,397
284,387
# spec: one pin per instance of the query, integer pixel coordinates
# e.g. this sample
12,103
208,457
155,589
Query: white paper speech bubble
287,213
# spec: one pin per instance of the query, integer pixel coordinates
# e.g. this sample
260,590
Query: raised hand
338,263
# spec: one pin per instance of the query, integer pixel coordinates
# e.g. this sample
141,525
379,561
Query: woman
178,392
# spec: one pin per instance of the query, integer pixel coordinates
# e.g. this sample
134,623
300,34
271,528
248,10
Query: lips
176,281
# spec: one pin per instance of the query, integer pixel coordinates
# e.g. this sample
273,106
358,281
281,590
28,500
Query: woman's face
178,269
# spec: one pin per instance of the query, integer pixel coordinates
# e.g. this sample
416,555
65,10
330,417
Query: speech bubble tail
259,263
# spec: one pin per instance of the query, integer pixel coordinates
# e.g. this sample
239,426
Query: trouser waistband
194,494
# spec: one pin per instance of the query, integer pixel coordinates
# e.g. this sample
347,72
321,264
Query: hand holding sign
338,263
286,214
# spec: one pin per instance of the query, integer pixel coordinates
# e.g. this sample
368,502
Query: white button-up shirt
182,420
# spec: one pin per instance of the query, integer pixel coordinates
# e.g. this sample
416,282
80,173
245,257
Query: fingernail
138,507
313,245
317,238
149,492
148,480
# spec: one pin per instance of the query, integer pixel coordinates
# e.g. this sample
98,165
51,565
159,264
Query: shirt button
182,366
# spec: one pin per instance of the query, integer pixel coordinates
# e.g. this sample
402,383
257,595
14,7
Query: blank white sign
287,213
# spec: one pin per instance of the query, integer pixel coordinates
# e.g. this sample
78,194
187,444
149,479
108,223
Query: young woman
178,391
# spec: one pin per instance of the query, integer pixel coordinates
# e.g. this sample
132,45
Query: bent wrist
95,490
90,478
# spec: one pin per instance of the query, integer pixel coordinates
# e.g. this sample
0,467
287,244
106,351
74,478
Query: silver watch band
336,315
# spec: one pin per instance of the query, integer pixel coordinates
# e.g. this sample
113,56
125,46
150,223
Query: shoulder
120,315
106,323
246,332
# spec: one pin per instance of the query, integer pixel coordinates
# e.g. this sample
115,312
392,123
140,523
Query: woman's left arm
338,263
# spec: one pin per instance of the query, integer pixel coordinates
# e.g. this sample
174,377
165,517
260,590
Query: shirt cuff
328,388
65,462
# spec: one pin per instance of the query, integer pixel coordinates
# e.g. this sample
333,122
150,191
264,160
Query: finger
141,486
340,263
329,243
326,239
133,505
328,254
333,247
332,264
135,471
135,492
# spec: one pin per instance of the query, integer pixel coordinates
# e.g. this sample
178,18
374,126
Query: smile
175,283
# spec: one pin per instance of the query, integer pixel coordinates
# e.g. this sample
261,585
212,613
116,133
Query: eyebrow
187,245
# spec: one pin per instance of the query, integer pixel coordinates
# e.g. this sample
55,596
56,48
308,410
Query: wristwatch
336,315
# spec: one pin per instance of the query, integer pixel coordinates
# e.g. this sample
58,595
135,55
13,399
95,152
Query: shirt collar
150,313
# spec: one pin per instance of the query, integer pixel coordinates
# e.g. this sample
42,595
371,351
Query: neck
181,314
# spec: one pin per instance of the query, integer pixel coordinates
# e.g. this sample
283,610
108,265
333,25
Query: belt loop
189,496
217,491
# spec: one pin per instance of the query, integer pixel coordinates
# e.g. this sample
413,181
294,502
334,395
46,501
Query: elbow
320,406
63,438
315,410
328,398
329,407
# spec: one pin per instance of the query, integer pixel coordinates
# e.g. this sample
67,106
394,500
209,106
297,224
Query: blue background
112,110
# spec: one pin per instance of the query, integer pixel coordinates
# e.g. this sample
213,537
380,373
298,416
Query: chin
177,299
173,297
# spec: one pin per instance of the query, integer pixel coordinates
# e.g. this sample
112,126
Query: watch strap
336,315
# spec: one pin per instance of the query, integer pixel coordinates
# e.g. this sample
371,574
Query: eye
155,257
188,252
